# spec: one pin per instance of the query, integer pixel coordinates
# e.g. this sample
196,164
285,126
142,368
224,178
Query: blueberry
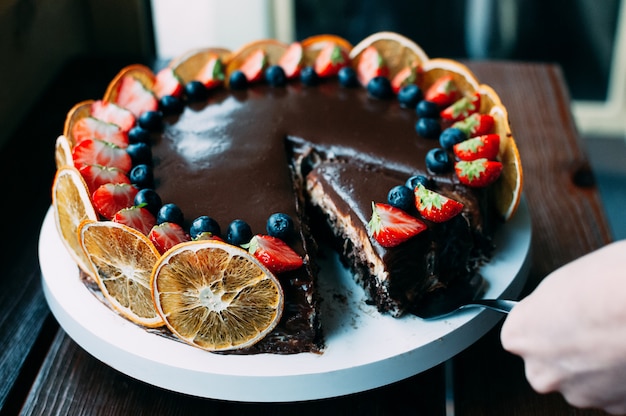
149,199
309,77
142,176
275,76
428,128
438,160
140,153
171,105
138,135
151,120
451,136
170,213
380,87
204,224
416,180
427,109
347,77
409,96
239,232
196,91
238,80
280,225
401,197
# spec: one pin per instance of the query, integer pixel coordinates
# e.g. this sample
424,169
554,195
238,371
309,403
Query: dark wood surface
44,372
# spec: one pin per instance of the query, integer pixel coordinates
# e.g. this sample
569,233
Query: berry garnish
280,225
238,80
476,125
135,217
451,136
330,60
371,65
93,128
110,198
409,96
309,77
139,135
254,65
416,180
427,109
238,233
149,199
166,82
151,120
170,213
428,128
275,76
438,160
133,96
405,77
291,61
171,105
203,225
435,207
347,77
212,73
462,108
166,235
401,197
379,87
140,153
391,226
274,253
486,146
196,91
478,173
99,152
443,91
142,176
112,113
96,175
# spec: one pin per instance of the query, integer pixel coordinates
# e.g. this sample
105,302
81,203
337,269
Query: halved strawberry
404,77
274,253
371,65
166,235
291,61
110,198
478,173
113,113
391,226
93,128
475,125
212,73
254,65
96,176
133,96
443,91
435,207
486,146
136,217
330,60
462,108
99,152
166,82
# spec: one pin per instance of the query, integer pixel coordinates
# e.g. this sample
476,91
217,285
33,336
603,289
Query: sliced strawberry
478,173
254,65
110,198
404,77
435,207
274,253
136,217
330,60
166,82
208,236
113,113
461,108
371,65
486,146
391,226
96,176
476,125
212,73
166,235
443,91
291,61
133,96
99,152
93,128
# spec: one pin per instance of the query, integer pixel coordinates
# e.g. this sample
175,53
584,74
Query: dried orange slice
188,66
122,259
72,205
63,152
273,49
314,44
216,296
79,111
434,69
140,72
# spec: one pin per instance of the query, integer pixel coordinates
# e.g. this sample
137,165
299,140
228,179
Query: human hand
571,331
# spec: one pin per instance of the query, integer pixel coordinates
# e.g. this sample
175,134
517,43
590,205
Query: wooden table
44,372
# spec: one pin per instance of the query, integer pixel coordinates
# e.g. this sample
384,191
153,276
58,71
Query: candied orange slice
79,111
189,65
63,152
273,49
122,259
314,44
140,72
216,296
72,205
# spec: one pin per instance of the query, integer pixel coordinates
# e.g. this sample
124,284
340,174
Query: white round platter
364,349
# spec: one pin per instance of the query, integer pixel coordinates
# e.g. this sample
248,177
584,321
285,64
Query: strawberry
212,73
443,91
112,113
274,253
371,65
133,96
391,226
478,173
110,198
254,65
291,61
435,207
461,108
475,125
406,76
208,236
166,235
166,82
99,152
96,175
486,146
136,217
93,128
330,60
